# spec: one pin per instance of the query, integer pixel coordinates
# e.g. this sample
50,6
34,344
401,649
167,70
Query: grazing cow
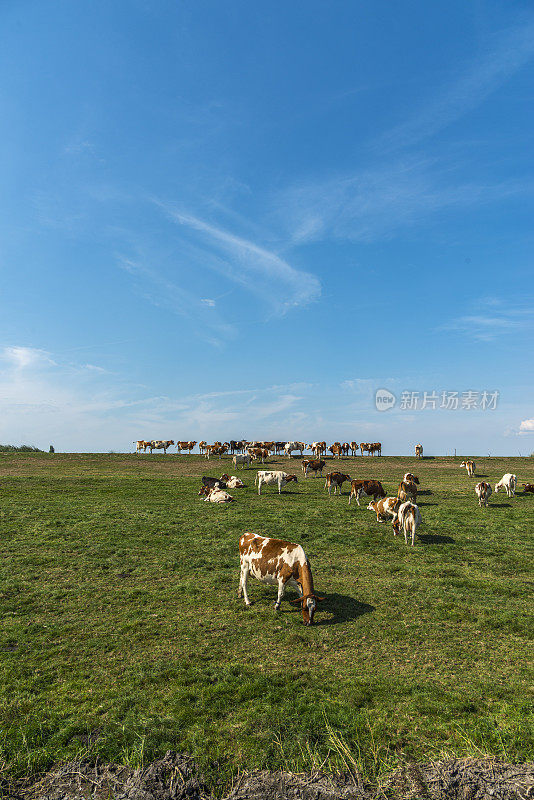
419,450
241,459
161,445
508,482
528,487
315,466
335,479
385,508
140,444
279,562
277,477
217,495
407,519
483,492
234,483
353,447
370,488
409,476
470,467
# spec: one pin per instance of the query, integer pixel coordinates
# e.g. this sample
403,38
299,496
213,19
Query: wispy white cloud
527,426
492,319
208,301
375,203
261,271
26,357
501,56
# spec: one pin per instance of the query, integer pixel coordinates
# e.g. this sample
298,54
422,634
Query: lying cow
385,508
210,483
335,479
407,520
215,495
483,492
234,483
508,482
275,478
313,465
528,487
279,562
370,488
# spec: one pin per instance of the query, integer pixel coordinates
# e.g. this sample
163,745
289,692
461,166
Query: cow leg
281,590
243,584
358,495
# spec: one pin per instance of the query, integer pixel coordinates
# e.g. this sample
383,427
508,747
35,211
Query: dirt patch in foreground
176,777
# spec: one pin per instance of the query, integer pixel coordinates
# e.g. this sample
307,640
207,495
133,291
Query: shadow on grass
434,538
427,504
500,505
343,608
421,492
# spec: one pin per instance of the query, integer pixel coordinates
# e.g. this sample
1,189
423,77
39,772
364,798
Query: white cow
241,459
408,519
275,478
290,446
483,492
508,482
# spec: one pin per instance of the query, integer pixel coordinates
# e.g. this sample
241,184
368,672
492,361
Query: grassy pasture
122,634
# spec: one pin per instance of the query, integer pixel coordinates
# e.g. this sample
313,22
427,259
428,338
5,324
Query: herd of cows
284,563
263,449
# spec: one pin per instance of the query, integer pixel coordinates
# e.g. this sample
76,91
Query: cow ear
297,600
319,599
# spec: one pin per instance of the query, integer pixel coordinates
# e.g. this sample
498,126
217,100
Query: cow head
204,490
308,604
290,478
225,477
372,506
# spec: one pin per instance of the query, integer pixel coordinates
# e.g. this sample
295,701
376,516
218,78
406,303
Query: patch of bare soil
176,777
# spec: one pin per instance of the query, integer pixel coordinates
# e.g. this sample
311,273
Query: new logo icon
384,399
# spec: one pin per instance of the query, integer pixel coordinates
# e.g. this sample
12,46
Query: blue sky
241,219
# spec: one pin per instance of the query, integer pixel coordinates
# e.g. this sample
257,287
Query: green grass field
122,634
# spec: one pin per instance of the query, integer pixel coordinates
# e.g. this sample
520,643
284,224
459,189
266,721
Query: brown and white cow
234,482
335,479
371,488
336,450
141,445
470,467
161,444
353,447
202,447
384,508
274,478
419,450
313,465
216,495
407,491
275,561
408,519
528,487
483,492
409,476
259,453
